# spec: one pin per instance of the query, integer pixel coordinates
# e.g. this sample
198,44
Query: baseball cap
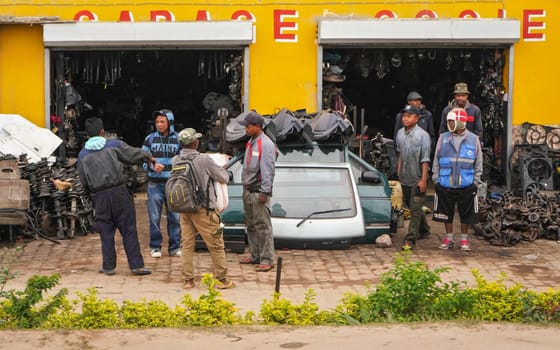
410,109
188,136
460,116
252,118
413,95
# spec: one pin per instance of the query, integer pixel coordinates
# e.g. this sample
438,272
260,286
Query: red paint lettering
281,25
385,14
126,16
243,14
426,14
203,15
501,13
469,14
85,15
529,25
162,16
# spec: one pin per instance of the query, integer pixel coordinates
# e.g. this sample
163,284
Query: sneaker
175,252
141,271
155,253
108,272
189,284
465,245
446,244
224,284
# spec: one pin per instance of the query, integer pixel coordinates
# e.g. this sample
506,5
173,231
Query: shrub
27,309
283,311
496,302
147,314
209,310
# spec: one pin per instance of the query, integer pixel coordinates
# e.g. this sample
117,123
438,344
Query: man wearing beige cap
461,100
206,221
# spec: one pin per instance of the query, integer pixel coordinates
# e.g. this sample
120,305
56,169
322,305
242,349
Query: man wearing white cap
457,169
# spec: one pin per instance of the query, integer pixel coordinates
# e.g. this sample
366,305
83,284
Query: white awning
352,31
148,34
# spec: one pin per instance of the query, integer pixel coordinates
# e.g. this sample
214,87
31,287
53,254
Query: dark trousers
418,225
114,209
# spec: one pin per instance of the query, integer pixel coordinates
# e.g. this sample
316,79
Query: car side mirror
371,177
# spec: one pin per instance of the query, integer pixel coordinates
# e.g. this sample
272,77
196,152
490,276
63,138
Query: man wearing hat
425,119
461,100
413,147
207,221
257,178
457,170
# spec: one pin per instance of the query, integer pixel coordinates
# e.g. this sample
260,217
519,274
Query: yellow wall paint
22,72
285,74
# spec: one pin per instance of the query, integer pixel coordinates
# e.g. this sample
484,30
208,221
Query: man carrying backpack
164,145
206,221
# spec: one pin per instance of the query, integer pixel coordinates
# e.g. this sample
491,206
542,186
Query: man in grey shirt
413,145
258,176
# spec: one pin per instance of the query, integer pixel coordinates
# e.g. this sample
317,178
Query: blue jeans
156,201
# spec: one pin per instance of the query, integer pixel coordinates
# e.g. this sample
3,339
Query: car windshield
301,191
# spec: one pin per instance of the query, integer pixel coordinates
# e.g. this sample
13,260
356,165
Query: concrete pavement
331,273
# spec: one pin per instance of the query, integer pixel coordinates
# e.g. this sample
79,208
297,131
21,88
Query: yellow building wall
284,74
22,72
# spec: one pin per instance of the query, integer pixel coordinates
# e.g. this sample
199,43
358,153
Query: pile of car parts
507,220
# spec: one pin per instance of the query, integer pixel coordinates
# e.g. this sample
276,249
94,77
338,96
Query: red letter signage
529,25
281,25
162,16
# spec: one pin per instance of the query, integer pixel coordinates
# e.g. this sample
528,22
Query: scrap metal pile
507,220
59,205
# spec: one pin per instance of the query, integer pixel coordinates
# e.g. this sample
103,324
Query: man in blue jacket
457,169
163,144
100,167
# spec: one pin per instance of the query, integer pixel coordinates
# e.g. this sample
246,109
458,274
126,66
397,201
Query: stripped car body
324,196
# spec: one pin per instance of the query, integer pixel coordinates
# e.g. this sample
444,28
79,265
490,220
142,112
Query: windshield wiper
320,212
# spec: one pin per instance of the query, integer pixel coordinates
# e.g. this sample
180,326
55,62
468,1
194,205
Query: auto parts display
535,163
507,219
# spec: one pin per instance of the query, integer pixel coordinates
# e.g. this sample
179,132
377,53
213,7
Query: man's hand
158,167
262,198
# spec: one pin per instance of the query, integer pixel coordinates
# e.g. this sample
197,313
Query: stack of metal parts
507,220
59,205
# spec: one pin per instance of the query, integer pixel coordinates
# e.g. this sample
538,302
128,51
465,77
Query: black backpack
182,190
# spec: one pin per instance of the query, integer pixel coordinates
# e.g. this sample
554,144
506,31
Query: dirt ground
421,336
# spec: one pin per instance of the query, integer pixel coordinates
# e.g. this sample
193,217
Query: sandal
264,267
189,284
247,260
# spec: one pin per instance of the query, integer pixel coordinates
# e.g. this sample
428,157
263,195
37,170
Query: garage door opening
125,87
369,66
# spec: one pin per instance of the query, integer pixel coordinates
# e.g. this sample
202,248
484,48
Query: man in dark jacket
425,118
461,100
101,171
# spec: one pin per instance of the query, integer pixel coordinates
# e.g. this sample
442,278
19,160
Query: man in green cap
207,221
